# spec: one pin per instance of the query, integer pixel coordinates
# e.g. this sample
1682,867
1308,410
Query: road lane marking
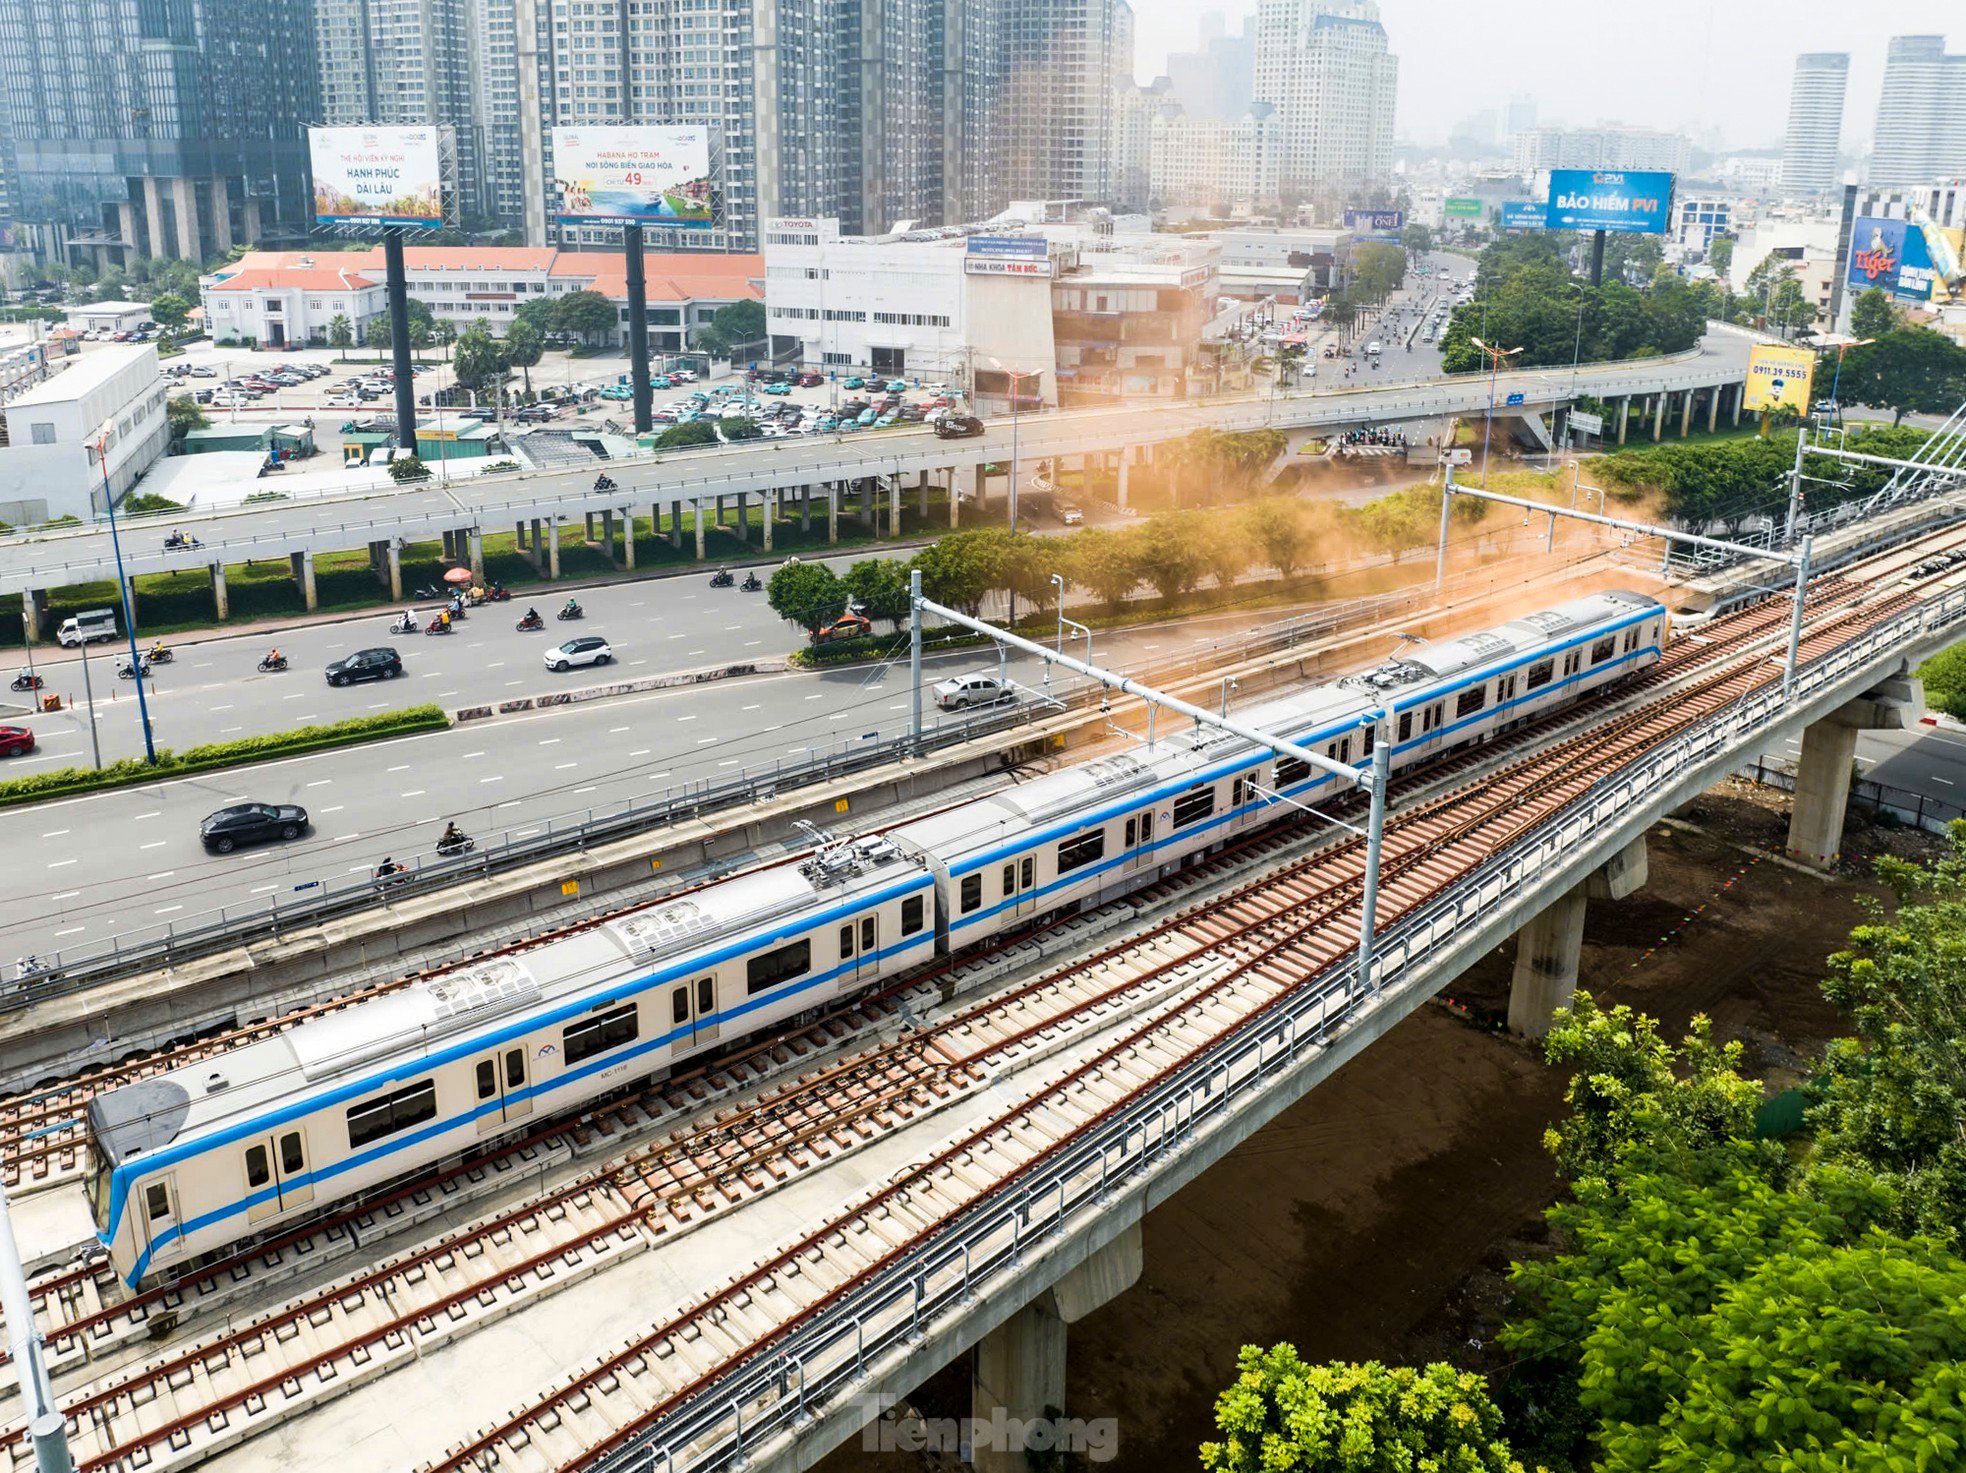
72,930
265,889
753,708
820,697
415,793
499,779
1946,780
54,833
320,782
443,693
616,730
588,789
549,741
226,707
400,767
164,910
705,741
336,809
57,864
161,875
469,755
686,718
563,766
158,845
343,838
68,895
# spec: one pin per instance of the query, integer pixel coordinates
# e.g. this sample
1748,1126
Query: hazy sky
1689,64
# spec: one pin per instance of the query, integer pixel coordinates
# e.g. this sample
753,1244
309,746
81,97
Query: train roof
1446,658
403,1025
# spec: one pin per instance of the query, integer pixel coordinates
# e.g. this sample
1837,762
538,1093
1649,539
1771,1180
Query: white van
87,627
1373,348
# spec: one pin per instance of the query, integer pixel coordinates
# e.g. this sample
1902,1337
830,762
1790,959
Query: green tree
1105,563
1285,1416
879,585
1170,553
1895,1094
1281,532
480,360
586,315
736,427
169,310
960,569
341,334
732,330
1417,240
696,432
1789,306
1944,676
376,334
808,594
1909,370
1720,255
1225,552
538,312
1377,269
524,345
183,413
1871,314
407,468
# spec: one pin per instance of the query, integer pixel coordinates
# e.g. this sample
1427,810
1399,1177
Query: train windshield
96,1178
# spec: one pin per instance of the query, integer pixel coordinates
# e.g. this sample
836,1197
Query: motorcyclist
452,835
572,608
532,616
157,651
274,657
387,867
444,618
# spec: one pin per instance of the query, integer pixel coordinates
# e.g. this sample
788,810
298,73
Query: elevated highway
864,476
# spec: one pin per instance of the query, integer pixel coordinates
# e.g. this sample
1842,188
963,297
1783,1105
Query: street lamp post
1495,357
129,604
1836,380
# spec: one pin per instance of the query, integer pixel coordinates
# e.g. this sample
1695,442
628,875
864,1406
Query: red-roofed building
275,297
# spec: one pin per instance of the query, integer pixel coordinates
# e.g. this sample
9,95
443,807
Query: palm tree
341,333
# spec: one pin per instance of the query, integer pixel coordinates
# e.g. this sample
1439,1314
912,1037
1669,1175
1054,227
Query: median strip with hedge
169,764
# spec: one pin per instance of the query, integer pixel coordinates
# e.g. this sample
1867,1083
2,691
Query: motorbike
387,874
498,593
574,612
529,623
403,624
437,626
722,578
177,542
125,671
605,483
24,681
450,848
273,662
428,590
752,583
161,655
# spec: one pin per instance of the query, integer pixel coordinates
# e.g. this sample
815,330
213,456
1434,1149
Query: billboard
633,176
1586,422
1631,203
377,176
1385,223
1891,254
1007,255
1462,209
1522,214
1779,378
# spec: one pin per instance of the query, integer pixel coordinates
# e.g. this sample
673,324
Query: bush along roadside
169,764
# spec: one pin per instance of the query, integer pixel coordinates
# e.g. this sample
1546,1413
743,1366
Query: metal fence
828,1354
1903,804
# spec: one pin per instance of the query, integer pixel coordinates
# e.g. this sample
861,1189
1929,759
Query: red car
15,741
810,380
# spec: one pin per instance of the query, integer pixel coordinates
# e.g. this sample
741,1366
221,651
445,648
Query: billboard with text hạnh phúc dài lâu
377,176
634,176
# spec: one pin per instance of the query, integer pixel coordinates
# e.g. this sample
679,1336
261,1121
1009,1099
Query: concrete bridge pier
1740,394
474,552
893,505
1827,768
1713,406
1019,1368
832,513
1549,948
921,492
1624,417
1686,416
696,517
1659,415
302,563
1124,474
805,508
34,612
386,561
743,517
769,501
221,603
675,522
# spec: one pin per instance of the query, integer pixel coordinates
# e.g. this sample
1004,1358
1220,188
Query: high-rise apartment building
1324,65
1219,80
1601,148
1815,131
1921,114
1067,61
1231,167
157,129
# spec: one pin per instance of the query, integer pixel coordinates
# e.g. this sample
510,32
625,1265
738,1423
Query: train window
773,967
487,1079
866,934
603,1031
679,1005
398,1110
911,914
972,895
1194,805
846,941
1087,848
1405,733
157,1200
1432,715
1540,674
1009,880
1573,662
1029,867
1368,739
1239,793
1505,689
1331,751
515,1067
1471,700
258,1172
1132,832
292,1159
1604,649
1631,639
1291,771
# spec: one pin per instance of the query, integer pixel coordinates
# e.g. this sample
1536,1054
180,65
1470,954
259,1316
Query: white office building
1921,114
1815,129
1233,168
1325,67
1541,149
48,434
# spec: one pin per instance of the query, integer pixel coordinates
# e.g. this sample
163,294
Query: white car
683,375
342,401
962,691
223,400
588,649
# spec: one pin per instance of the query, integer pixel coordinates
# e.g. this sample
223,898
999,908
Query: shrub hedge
212,755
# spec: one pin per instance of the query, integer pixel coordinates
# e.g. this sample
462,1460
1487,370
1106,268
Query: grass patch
131,770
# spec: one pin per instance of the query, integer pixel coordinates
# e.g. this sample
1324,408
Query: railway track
1229,959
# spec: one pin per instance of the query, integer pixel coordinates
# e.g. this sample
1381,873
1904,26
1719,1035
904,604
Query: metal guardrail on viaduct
59,556
812,1386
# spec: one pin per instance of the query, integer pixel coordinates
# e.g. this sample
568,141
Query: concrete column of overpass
1827,768
1624,416
744,517
805,508
552,547
894,505
1018,1376
1659,416
770,501
955,501
590,526
675,524
1686,416
720,511
528,543
1713,407
34,608
1550,946
832,513
474,544
221,602
392,554
303,566
519,539
696,508
921,490
1740,395
1122,477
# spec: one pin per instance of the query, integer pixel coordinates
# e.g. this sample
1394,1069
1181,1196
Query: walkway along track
1269,936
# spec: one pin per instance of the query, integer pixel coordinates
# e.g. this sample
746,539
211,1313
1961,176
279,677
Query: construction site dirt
1376,1219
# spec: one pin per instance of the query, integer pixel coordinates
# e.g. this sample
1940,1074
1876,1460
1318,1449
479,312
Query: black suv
380,663
251,823
958,426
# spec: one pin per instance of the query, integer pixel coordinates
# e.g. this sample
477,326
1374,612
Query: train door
1139,834
500,1081
158,1207
276,1175
1020,890
693,1008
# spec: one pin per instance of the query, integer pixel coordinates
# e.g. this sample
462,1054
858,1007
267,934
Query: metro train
235,1147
